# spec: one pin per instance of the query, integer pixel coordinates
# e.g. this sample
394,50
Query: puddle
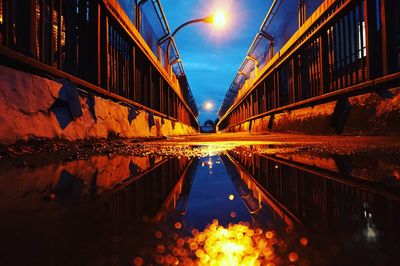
204,204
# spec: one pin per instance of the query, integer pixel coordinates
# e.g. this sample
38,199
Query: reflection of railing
179,196
96,45
318,197
146,194
336,52
259,191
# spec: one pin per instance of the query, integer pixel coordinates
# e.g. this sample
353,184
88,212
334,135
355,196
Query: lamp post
219,19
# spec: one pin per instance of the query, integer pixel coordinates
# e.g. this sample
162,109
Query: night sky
212,56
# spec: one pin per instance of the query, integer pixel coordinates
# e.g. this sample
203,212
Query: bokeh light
235,244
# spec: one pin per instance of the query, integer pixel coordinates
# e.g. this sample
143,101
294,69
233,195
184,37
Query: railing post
104,53
302,15
31,20
293,80
323,63
6,22
59,21
389,9
98,61
372,59
24,26
91,42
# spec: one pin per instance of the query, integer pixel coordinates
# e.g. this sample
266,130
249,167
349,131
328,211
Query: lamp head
208,19
218,19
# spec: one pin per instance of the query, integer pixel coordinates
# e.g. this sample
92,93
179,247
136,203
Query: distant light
231,196
208,106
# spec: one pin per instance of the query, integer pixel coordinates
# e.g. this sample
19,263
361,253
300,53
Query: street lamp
218,19
208,106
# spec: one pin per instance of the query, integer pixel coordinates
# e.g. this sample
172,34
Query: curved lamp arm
208,19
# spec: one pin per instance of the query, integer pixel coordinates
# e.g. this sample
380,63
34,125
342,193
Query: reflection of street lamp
218,19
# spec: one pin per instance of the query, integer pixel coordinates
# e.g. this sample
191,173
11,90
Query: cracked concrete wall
369,114
26,103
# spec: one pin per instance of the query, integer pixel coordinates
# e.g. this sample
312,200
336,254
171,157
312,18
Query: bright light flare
225,18
220,19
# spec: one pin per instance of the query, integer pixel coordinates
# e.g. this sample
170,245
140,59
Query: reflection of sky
212,57
209,197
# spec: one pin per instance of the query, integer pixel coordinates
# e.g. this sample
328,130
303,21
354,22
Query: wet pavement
205,201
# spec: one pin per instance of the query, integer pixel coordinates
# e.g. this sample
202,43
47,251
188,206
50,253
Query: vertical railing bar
51,59
59,33
356,44
385,36
360,34
349,48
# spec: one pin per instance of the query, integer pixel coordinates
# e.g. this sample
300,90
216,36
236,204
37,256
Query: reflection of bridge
107,48
334,52
311,190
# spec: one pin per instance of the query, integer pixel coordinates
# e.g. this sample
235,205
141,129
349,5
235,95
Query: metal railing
344,48
100,46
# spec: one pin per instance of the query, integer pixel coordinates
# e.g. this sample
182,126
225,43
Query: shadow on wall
67,107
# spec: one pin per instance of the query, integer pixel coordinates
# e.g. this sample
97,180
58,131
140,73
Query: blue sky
212,56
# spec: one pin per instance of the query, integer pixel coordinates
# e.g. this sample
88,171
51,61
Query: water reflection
234,205
209,197
350,204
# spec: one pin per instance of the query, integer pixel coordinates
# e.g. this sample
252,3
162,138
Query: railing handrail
291,45
300,31
121,16
7,52
67,53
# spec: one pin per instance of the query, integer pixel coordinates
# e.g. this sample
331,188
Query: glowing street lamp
208,106
219,19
